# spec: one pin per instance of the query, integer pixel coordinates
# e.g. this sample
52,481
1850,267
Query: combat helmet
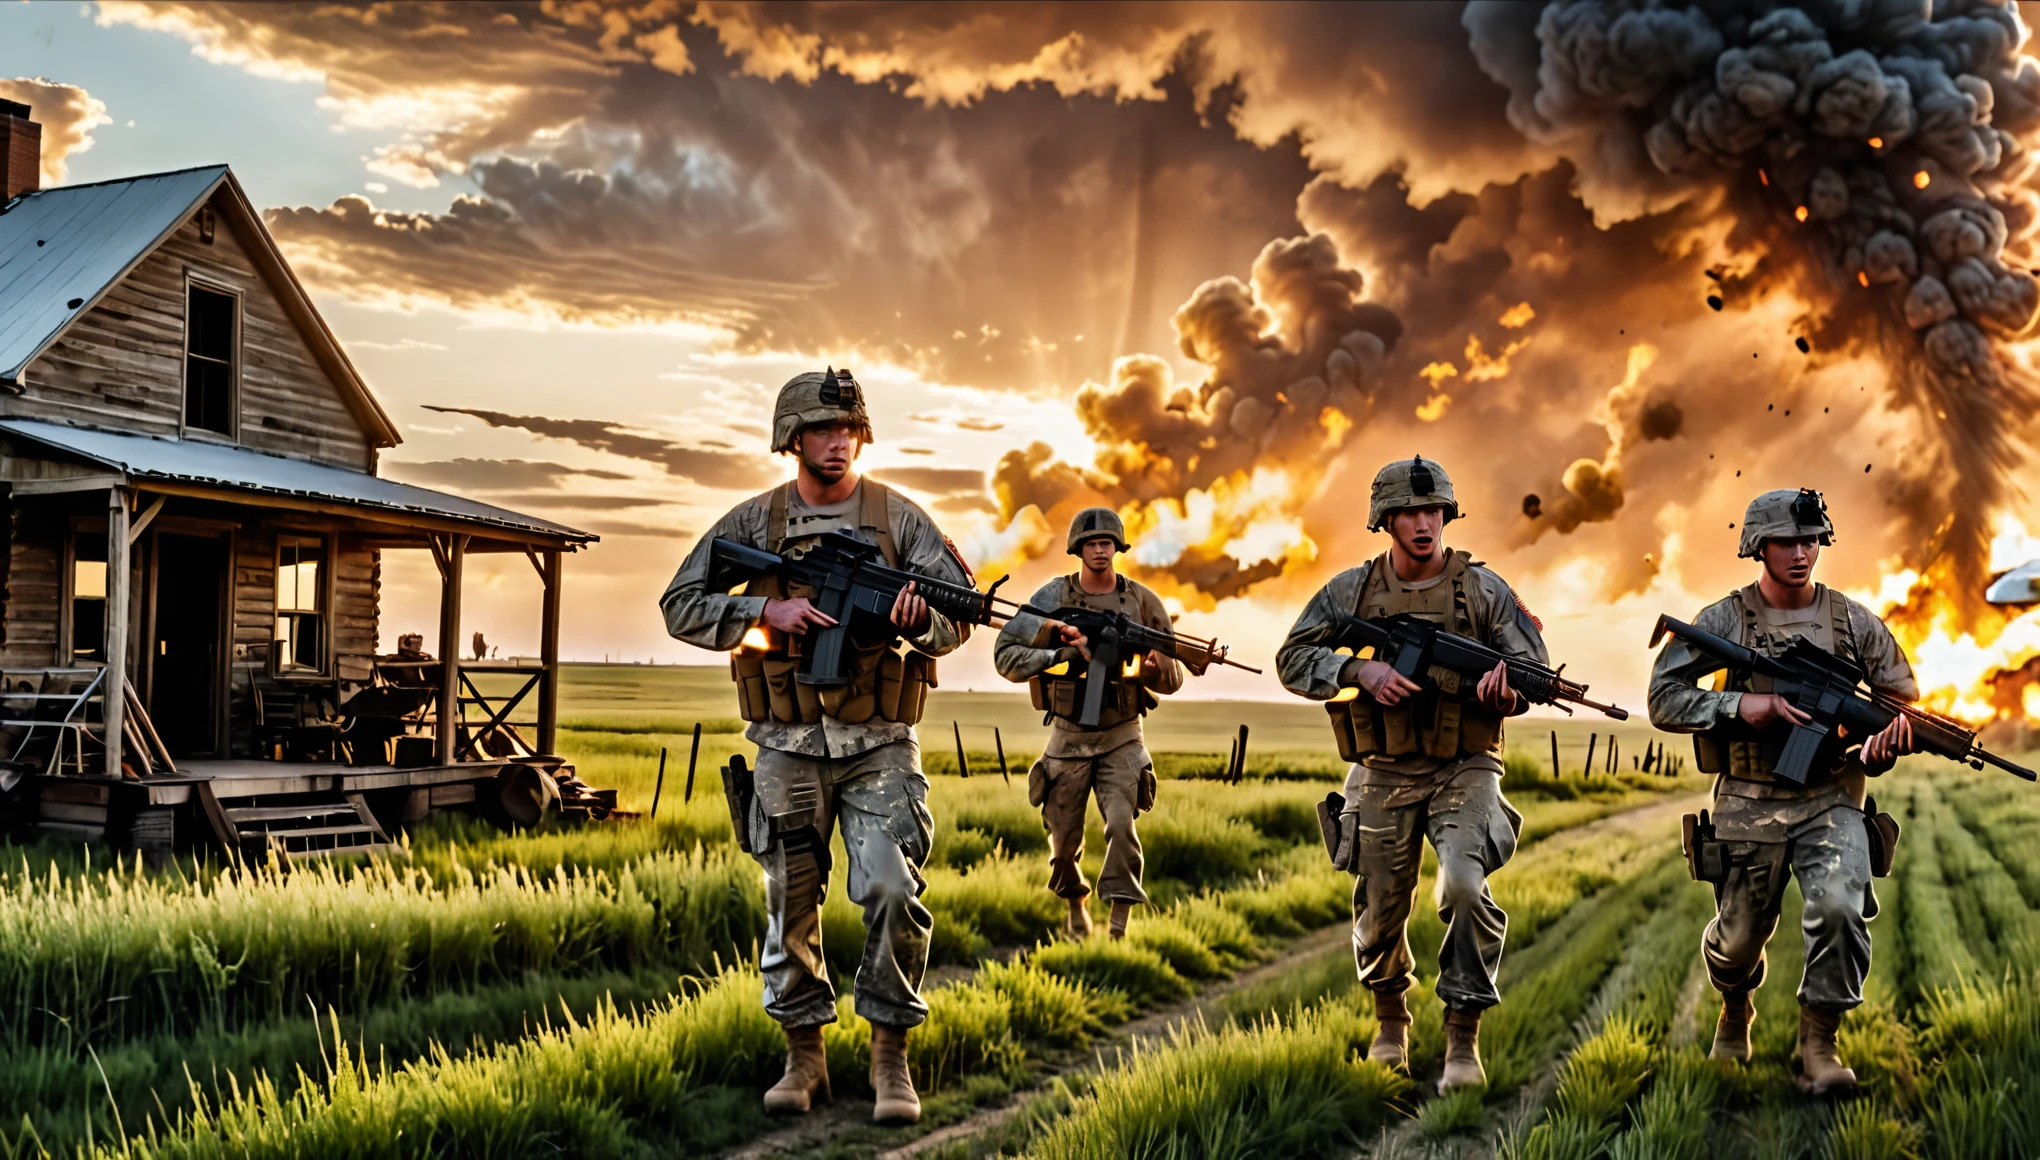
1409,483
1785,514
1094,522
829,396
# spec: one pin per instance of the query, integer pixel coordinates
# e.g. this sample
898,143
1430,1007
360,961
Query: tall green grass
123,954
1279,1087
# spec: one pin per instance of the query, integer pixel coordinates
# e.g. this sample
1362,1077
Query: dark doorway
191,584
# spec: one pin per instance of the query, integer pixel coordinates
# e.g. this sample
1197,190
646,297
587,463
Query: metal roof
145,457
61,248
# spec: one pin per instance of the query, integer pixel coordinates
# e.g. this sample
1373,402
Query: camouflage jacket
1309,668
718,620
1026,650
1679,705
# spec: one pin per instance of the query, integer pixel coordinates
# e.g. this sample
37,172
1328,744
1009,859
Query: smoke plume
1211,477
1873,158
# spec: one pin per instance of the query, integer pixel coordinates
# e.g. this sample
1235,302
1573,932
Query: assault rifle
853,585
1113,638
1414,646
1830,690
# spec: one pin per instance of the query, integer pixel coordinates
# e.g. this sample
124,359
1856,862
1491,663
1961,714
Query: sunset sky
576,248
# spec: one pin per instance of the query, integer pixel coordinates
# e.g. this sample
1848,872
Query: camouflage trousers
880,799
1830,854
1473,828
1120,779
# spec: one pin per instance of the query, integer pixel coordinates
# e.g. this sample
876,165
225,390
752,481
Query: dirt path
829,1124
1406,1140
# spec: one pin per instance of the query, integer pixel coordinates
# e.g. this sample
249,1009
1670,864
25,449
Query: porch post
113,702
449,646
549,657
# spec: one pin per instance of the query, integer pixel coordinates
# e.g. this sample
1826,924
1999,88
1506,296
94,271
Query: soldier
1426,762
832,755
1107,759
1771,829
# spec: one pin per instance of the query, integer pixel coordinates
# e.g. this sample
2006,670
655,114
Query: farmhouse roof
62,249
146,459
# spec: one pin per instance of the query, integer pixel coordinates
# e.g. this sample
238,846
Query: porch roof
144,459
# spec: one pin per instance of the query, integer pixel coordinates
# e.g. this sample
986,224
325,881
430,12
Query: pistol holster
1883,831
1339,831
1706,855
740,790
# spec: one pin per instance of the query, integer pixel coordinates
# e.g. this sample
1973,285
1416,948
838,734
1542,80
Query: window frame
67,614
185,428
326,593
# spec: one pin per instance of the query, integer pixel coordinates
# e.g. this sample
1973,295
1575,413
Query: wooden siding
122,365
35,556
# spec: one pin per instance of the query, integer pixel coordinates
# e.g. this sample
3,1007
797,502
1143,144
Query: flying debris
1804,346
1533,506
1714,301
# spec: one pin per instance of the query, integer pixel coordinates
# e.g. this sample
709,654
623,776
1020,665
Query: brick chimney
20,152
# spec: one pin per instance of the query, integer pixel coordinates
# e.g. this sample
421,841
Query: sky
1209,264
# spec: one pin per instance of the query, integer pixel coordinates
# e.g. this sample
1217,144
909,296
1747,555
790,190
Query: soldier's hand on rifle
795,615
1889,744
1380,680
1760,709
910,611
1494,690
1073,637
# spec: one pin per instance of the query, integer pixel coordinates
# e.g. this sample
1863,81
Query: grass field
588,992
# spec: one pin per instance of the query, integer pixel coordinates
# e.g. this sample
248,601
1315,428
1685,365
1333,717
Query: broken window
88,597
209,349
300,641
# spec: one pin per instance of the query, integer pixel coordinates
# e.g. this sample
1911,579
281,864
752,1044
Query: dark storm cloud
491,474
724,469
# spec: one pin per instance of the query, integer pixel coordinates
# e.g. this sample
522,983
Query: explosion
1982,669
1211,480
1881,151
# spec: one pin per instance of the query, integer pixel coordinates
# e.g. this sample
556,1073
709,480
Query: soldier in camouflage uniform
1107,759
1771,829
834,756
1426,762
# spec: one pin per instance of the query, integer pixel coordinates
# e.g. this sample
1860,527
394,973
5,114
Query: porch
189,651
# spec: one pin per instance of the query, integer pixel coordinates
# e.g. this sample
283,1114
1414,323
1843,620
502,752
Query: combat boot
1079,924
1462,1051
1120,912
896,1102
1392,1041
1819,1071
806,1082
1732,1030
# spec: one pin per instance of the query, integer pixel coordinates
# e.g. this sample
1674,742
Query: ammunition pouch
1341,832
1706,855
1883,832
889,683
1061,695
1436,724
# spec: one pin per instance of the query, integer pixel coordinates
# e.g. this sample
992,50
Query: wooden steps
310,826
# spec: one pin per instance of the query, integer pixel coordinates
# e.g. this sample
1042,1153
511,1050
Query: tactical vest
888,682
1445,720
1739,751
1060,693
